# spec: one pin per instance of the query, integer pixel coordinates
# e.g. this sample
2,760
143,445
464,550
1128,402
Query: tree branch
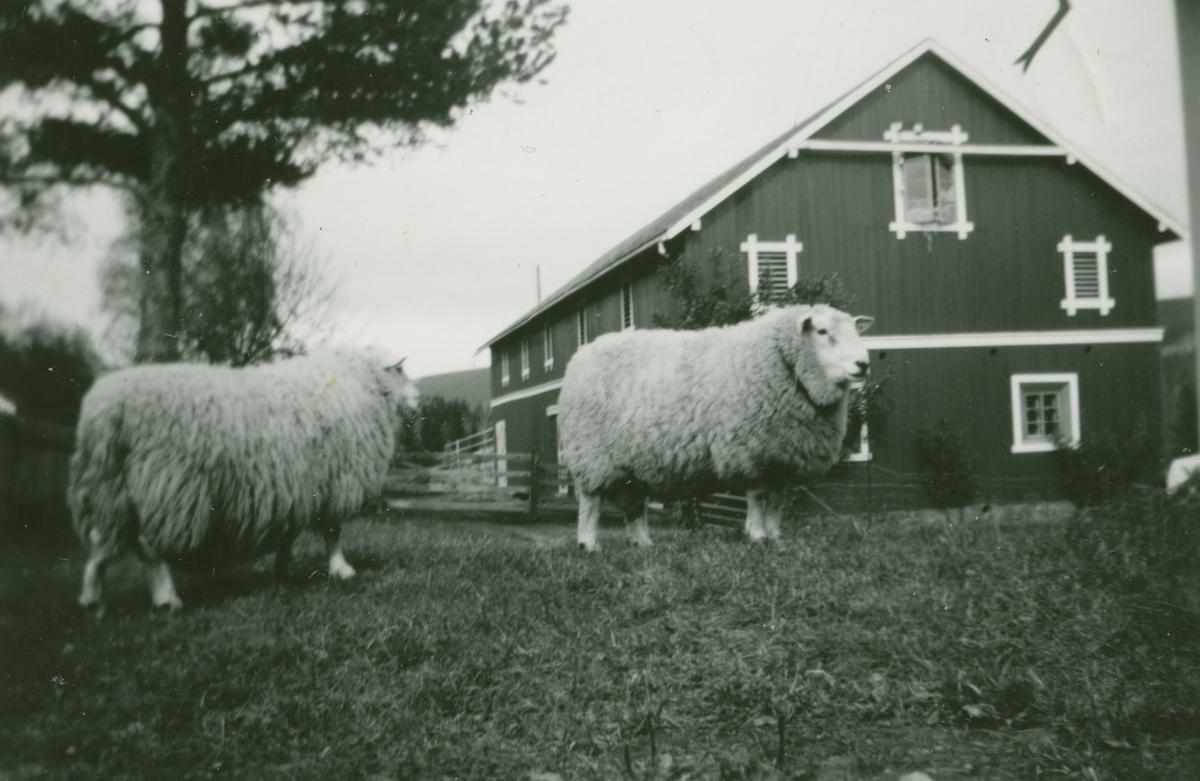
203,12
108,93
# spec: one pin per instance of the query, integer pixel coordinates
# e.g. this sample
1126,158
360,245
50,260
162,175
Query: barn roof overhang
686,213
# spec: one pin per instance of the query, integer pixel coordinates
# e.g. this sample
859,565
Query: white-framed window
1045,411
525,358
863,453
929,188
581,329
547,348
773,266
505,377
564,477
627,306
501,431
1085,268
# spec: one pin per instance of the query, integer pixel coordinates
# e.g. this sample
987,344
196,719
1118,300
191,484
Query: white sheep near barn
197,464
673,414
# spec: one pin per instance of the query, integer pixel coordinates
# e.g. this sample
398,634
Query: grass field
475,651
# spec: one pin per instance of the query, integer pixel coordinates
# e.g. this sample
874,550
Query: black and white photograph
646,390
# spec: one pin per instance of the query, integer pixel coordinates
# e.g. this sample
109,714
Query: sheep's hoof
93,610
590,547
344,572
170,607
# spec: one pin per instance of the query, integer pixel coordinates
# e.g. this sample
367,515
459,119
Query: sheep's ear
863,322
398,366
806,324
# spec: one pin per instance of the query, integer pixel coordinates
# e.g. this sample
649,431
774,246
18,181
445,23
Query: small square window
1045,411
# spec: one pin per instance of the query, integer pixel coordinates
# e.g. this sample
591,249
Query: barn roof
675,220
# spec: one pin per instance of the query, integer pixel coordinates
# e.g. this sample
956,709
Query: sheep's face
833,344
402,387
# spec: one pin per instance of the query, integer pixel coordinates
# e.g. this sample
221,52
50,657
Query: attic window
928,187
525,359
547,348
505,378
773,266
1085,267
581,331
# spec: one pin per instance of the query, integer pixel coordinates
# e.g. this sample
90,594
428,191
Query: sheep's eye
823,331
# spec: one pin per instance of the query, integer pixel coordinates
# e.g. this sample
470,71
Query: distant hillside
472,386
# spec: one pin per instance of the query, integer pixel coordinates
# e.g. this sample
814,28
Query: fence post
535,484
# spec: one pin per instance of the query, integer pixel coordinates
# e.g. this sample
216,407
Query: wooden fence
34,458
501,480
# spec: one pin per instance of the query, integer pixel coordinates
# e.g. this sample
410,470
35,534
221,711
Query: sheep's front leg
589,519
756,508
283,556
339,568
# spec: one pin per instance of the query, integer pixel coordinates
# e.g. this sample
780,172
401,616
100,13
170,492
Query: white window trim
1068,247
525,358
955,136
864,443
1071,380
564,488
581,327
627,298
792,249
505,377
547,348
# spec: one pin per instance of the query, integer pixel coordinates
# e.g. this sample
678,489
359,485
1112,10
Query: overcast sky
436,248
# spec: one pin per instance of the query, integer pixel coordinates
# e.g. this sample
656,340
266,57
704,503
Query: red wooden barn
1011,278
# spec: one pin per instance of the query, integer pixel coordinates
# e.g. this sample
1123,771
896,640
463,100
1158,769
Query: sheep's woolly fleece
212,463
676,413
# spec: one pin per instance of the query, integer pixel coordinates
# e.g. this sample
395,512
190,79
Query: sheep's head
832,354
401,386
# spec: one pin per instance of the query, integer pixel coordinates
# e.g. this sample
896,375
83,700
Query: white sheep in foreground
201,464
673,414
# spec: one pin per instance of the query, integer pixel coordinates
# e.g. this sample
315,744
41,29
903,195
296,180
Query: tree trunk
164,215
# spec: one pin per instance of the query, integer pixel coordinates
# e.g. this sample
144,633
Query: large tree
251,289
188,103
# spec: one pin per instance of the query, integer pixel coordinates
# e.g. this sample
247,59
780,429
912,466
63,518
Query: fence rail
510,479
480,441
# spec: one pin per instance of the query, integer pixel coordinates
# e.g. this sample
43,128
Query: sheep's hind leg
589,519
339,568
772,514
92,594
756,508
636,521
158,575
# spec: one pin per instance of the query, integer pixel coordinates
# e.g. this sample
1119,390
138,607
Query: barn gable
929,85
